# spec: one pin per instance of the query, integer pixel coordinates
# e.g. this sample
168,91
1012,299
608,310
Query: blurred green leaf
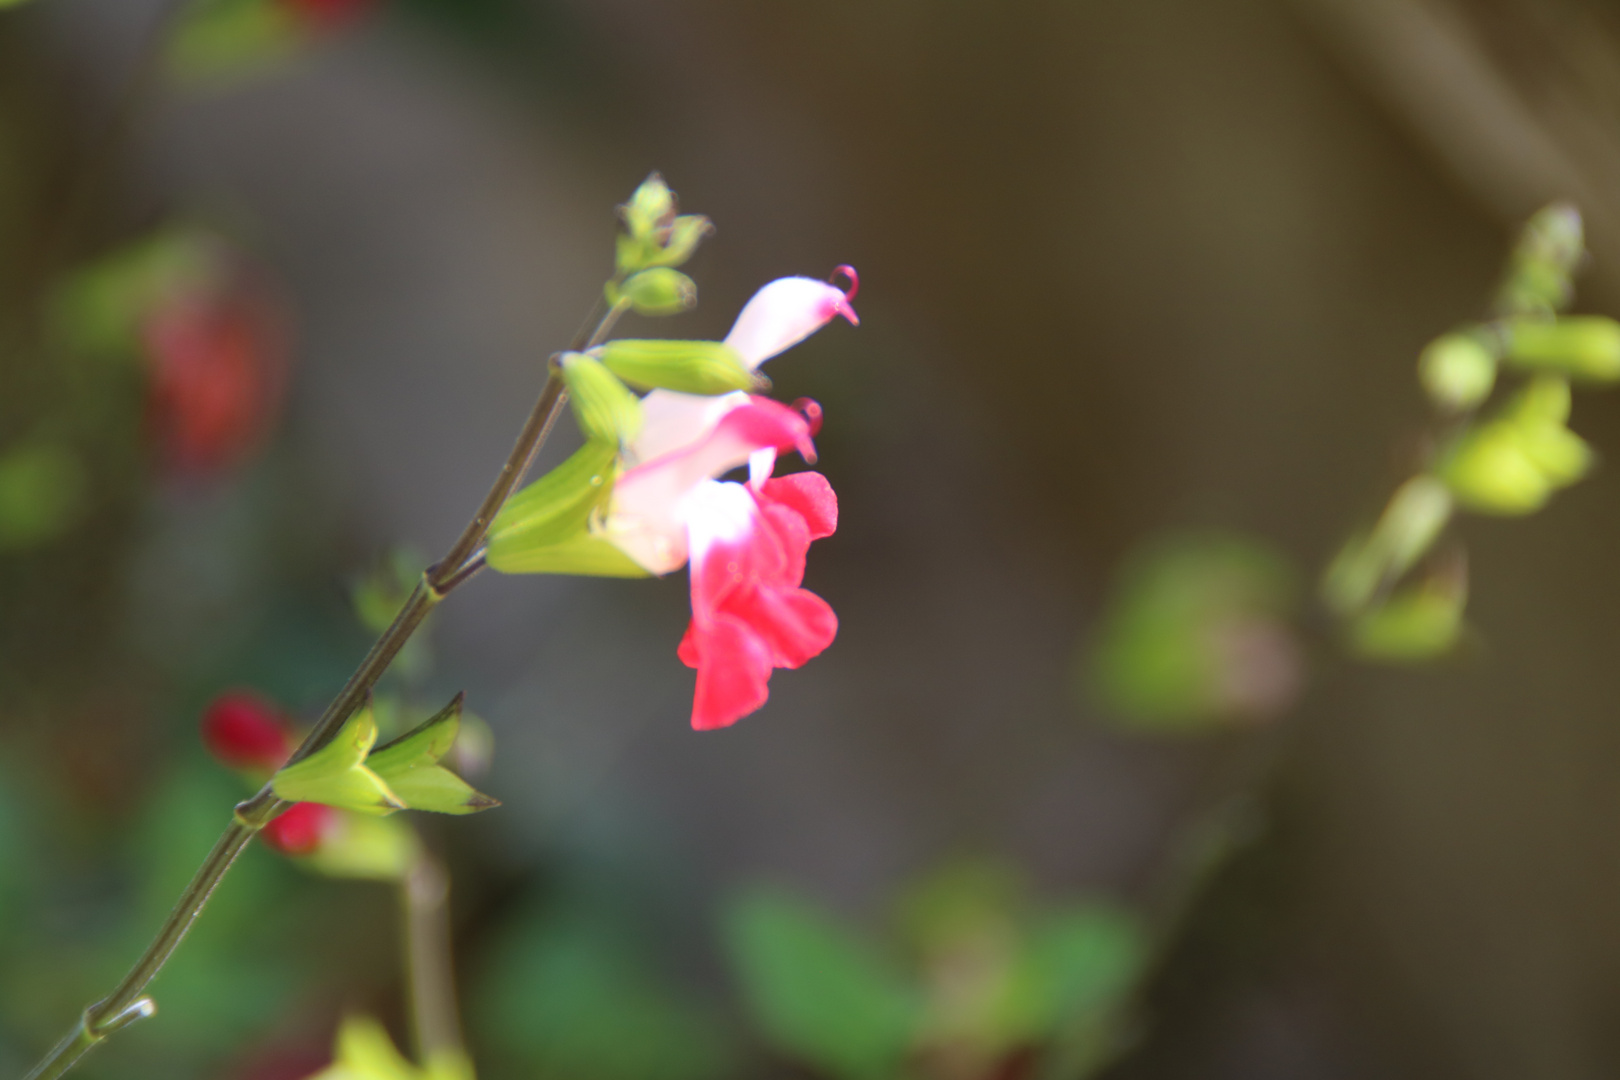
818,993
43,492
1194,635
569,995
99,310
221,39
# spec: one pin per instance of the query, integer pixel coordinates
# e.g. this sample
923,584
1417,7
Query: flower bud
1582,347
1490,472
1418,623
1457,371
682,239
300,829
659,291
691,367
650,207
1549,250
244,731
606,410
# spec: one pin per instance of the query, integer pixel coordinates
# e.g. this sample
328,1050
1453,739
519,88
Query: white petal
784,313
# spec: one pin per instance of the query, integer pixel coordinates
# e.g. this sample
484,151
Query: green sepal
685,234
690,367
361,847
605,408
365,1052
660,291
581,554
1581,347
650,206
555,508
1418,623
410,766
1513,464
336,774
1490,473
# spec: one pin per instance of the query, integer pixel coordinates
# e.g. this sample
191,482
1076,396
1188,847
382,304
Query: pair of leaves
404,774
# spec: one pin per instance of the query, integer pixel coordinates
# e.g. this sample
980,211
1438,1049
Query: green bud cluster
554,524
1540,274
1513,464
1397,599
655,235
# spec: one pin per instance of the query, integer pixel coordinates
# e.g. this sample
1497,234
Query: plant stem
429,970
127,1003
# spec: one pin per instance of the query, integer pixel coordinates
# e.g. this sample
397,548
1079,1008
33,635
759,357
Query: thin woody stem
128,1002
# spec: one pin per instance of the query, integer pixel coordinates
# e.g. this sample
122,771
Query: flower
745,543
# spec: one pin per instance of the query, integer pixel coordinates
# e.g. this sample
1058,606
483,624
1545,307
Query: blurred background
1128,272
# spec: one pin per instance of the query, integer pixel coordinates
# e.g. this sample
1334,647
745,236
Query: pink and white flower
745,543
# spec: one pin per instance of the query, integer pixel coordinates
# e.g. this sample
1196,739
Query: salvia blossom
745,543
216,358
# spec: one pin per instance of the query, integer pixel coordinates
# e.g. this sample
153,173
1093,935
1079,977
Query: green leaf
43,492
336,774
98,311
410,767
690,367
606,409
218,39
818,993
1195,636
570,993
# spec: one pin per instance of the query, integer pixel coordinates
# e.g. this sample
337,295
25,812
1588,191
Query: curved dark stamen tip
854,281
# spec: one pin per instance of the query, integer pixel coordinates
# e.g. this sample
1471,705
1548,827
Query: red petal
733,668
811,495
795,624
